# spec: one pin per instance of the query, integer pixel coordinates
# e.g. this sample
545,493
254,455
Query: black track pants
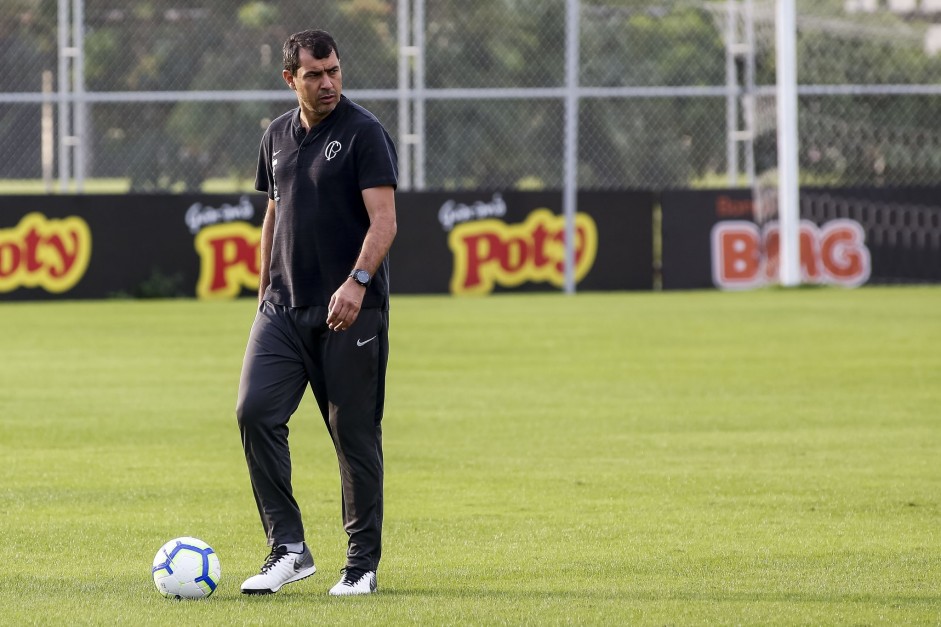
289,348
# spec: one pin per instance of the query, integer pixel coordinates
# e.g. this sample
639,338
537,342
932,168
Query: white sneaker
280,568
355,581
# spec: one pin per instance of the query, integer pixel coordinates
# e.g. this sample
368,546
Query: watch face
361,277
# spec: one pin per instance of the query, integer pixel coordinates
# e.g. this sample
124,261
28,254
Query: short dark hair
318,43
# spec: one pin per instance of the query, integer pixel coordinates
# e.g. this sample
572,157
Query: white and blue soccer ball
186,568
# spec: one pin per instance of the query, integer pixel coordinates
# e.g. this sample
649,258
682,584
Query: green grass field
770,457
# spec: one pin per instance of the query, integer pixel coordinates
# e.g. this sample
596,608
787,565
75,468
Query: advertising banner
207,245
847,237
105,246
480,243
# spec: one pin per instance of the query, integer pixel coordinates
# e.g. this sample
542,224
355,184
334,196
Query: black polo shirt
316,179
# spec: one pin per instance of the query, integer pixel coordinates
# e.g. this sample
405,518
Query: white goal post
788,179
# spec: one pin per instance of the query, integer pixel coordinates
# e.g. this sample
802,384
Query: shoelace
273,558
352,575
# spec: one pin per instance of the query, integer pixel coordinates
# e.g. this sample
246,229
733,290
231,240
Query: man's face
318,83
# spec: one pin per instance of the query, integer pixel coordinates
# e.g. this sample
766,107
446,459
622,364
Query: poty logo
492,252
333,148
228,259
42,252
833,253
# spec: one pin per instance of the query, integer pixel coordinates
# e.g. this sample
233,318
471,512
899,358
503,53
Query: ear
288,78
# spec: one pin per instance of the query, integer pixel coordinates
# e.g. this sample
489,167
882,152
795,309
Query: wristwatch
360,276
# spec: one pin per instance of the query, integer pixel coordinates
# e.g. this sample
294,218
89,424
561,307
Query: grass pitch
765,457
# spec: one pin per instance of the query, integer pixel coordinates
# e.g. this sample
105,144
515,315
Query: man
329,169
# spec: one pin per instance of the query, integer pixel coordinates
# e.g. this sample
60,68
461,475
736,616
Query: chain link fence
869,97
164,96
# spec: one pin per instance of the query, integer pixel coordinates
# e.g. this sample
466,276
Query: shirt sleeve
264,177
376,159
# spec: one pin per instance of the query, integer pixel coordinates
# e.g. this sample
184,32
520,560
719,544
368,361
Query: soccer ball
186,568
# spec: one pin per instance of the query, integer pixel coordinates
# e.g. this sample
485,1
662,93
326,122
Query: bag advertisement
847,237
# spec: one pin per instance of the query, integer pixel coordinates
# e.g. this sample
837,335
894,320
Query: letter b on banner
736,255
